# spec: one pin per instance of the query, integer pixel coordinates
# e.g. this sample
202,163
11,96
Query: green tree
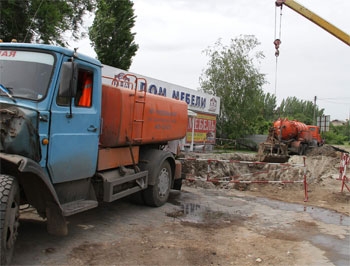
338,135
42,21
111,33
232,75
267,114
301,110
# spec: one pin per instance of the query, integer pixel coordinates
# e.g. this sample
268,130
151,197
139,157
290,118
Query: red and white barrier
233,179
345,160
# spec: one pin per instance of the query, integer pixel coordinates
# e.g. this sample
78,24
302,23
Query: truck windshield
25,74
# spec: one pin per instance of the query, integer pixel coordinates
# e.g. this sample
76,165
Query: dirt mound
318,167
325,150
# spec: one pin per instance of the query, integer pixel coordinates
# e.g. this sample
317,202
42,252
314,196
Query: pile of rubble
320,164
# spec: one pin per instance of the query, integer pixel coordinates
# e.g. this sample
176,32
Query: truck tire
9,216
158,194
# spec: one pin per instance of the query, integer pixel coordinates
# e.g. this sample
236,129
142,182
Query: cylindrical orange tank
145,119
285,129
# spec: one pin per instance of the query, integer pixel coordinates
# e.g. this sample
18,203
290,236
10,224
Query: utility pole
315,122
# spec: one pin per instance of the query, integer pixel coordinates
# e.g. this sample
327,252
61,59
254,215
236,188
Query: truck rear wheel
158,194
9,216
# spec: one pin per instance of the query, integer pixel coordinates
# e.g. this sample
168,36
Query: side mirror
68,80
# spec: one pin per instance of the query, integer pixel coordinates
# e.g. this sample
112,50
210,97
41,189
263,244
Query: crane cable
277,41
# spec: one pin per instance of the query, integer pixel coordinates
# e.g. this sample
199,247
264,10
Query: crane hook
277,43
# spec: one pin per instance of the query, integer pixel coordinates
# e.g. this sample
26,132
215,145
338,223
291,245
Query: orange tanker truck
288,137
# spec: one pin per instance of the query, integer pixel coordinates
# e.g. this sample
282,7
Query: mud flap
56,222
178,169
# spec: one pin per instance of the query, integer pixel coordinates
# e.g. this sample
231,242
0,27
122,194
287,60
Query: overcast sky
173,34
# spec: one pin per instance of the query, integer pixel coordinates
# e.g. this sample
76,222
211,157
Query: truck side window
83,97
84,90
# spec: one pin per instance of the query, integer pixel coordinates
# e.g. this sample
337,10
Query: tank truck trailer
71,138
288,137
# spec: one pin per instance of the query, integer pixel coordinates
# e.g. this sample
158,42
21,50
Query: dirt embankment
320,167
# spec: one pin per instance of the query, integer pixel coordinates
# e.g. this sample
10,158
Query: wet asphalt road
331,235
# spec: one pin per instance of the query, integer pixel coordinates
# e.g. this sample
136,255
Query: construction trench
214,220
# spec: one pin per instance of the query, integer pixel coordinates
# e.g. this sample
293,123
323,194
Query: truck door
74,139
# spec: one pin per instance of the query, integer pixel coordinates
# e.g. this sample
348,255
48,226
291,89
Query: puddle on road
318,214
336,250
204,214
195,214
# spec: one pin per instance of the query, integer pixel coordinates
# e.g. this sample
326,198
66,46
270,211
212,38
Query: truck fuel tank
289,129
137,117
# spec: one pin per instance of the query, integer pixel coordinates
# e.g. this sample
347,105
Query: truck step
73,207
112,183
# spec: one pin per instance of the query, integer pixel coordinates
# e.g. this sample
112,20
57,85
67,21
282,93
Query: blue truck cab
47,139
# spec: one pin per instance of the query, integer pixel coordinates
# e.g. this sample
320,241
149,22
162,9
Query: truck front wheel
9,216
158,194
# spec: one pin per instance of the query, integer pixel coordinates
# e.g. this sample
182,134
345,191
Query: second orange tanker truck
288,137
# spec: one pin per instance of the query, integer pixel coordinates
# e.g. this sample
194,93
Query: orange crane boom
330,28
